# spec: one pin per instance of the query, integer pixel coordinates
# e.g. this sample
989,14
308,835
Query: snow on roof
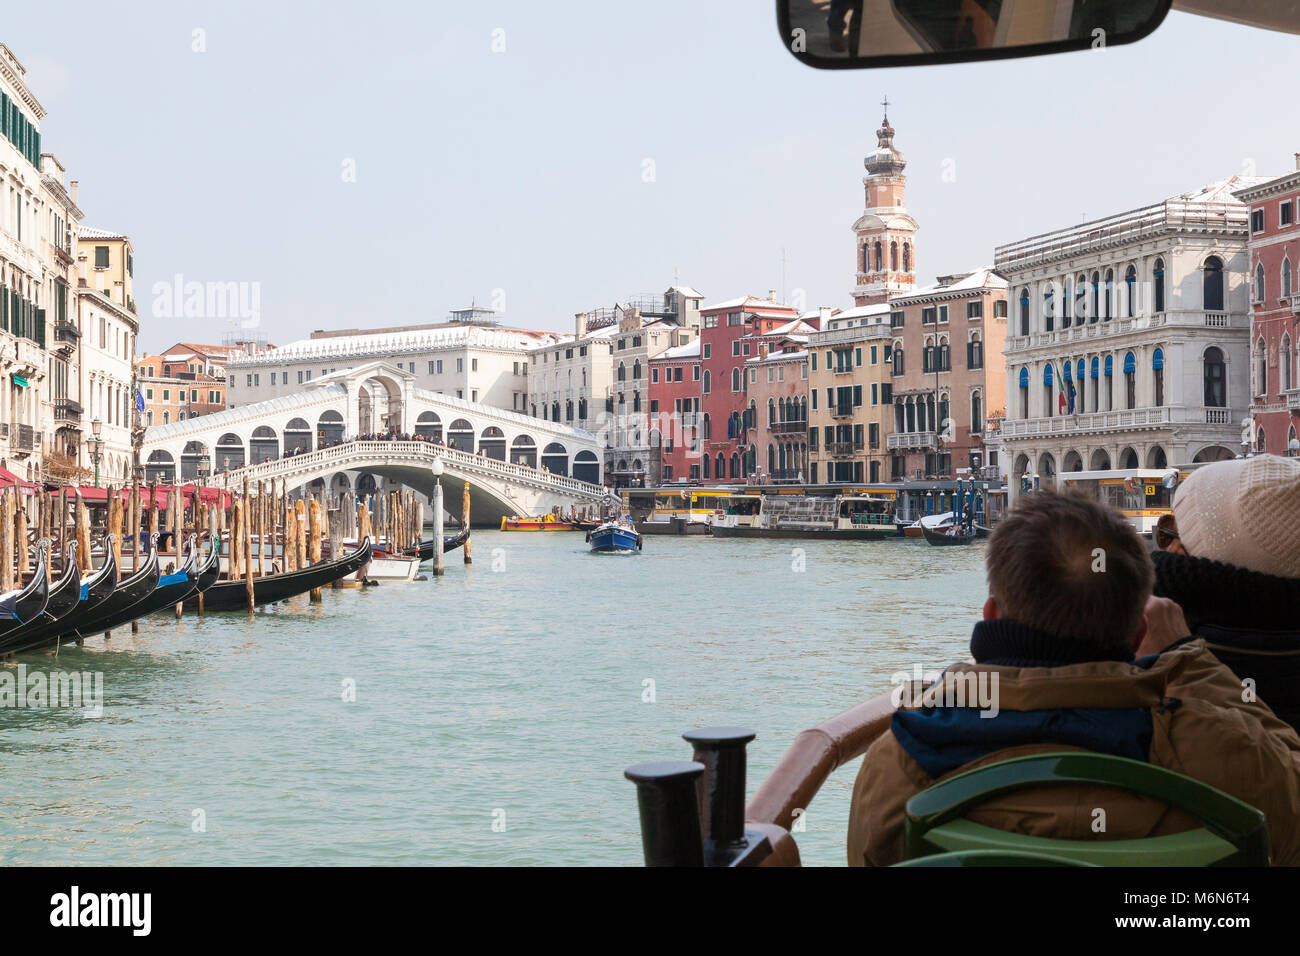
750,303
778,357
389,343
86,232
687,292
984,278
178,357
1221,190
689,350
244,413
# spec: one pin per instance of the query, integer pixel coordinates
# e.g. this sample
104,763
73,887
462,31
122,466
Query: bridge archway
230,452
555,459
329,429
381,403
523,451
367,484
586,467
460,435
297,437
429,426
493,443
263,445
160,467
192,460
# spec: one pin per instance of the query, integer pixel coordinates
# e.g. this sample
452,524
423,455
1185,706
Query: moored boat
232,595
833,517
538,523
613,537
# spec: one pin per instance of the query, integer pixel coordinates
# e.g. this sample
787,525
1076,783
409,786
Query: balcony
1112,327
1126,420
66,333
843,370
841,411
22,439
1292,399
66,410
787,428
911,440
840,449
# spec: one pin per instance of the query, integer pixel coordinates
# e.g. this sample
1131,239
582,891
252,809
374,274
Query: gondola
94,591
64,593
951,535
129,591
26,604
232,595
172,588
450,542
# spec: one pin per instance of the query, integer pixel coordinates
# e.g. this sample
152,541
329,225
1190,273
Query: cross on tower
885,104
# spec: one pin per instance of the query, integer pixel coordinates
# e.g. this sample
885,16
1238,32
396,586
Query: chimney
823,316
72,186
579,325
1297,160
762,351
771,295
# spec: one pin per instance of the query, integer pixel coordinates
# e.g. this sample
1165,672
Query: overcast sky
605,149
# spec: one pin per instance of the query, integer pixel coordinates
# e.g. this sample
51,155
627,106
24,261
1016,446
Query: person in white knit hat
1234,569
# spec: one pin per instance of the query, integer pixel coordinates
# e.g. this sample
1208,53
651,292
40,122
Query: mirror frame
849,62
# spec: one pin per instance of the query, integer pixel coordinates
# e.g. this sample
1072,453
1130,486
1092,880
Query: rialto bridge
342,433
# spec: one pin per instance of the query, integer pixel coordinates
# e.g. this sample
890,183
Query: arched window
976,413
1047,390
898,360
1024,393
622,371
1159,285
1067,297
1049,309
1110,382
1215,378
1094,373
1259,282
1158,374
771,412
1110,294
735,378
1130,293
1080,298
907,257
1287,366
707,428
945,356
1212,284
708,381
1261,374
880,264
636,370
1096,297
705,463
1130,381
1024,311
865,258
1286,278
893,262
636,402
974,351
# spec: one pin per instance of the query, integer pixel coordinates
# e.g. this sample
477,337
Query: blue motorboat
613,537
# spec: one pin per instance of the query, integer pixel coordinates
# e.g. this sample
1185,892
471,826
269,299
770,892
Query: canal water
484,718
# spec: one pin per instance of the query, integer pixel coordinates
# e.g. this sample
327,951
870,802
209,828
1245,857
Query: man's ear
991,612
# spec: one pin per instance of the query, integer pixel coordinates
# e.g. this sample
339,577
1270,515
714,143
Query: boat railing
865,518
674,825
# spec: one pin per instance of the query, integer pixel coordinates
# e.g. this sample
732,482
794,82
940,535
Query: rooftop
399,342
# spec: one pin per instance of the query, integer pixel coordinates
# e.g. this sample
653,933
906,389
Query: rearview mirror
860,34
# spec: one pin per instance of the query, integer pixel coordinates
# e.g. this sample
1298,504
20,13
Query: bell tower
885,233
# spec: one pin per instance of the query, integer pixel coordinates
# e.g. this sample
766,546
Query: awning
19,380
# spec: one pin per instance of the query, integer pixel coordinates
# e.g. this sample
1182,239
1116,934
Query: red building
1275,308
674,411
730,334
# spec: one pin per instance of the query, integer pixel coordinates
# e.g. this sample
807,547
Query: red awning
8,478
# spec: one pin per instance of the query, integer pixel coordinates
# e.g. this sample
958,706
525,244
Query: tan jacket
1238,747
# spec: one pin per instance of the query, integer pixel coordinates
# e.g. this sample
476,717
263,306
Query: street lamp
96,446
436,469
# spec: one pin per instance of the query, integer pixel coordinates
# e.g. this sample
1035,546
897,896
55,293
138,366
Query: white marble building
1128,339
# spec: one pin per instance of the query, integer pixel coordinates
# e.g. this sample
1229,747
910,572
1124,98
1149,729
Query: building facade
850,395
946,363
1128,340
778,387
468,357
1274,252
675,412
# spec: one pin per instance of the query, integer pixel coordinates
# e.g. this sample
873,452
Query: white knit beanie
1244,512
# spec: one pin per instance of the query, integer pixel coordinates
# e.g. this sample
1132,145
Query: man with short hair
1069,607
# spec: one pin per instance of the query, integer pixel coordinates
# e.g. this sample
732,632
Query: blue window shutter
1095,367
1110,365
1047,374
1024,378
1158,359
1130,364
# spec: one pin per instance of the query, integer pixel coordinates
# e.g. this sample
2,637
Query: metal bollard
726,841
670,811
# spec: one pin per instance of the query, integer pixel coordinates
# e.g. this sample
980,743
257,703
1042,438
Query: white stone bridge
514,464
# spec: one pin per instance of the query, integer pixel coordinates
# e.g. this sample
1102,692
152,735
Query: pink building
779,390
675,410
1275,306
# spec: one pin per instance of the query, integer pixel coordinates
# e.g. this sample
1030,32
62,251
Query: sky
368,165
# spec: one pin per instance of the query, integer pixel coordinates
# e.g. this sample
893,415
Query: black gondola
26,605
129,592
65,592
172,589
450,542
94,592
232,595
942,537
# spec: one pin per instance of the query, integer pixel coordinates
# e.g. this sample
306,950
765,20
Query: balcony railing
1107,327
788,428
1119,420
66,410
66,332
1292,398
898,440
842,411
841,448
22,438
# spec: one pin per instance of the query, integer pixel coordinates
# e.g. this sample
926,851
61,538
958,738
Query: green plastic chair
992,858
1233,833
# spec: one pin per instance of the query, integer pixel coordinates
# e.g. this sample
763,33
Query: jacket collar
1005,643
1211,592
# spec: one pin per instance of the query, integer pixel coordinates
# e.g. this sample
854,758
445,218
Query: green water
494,709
